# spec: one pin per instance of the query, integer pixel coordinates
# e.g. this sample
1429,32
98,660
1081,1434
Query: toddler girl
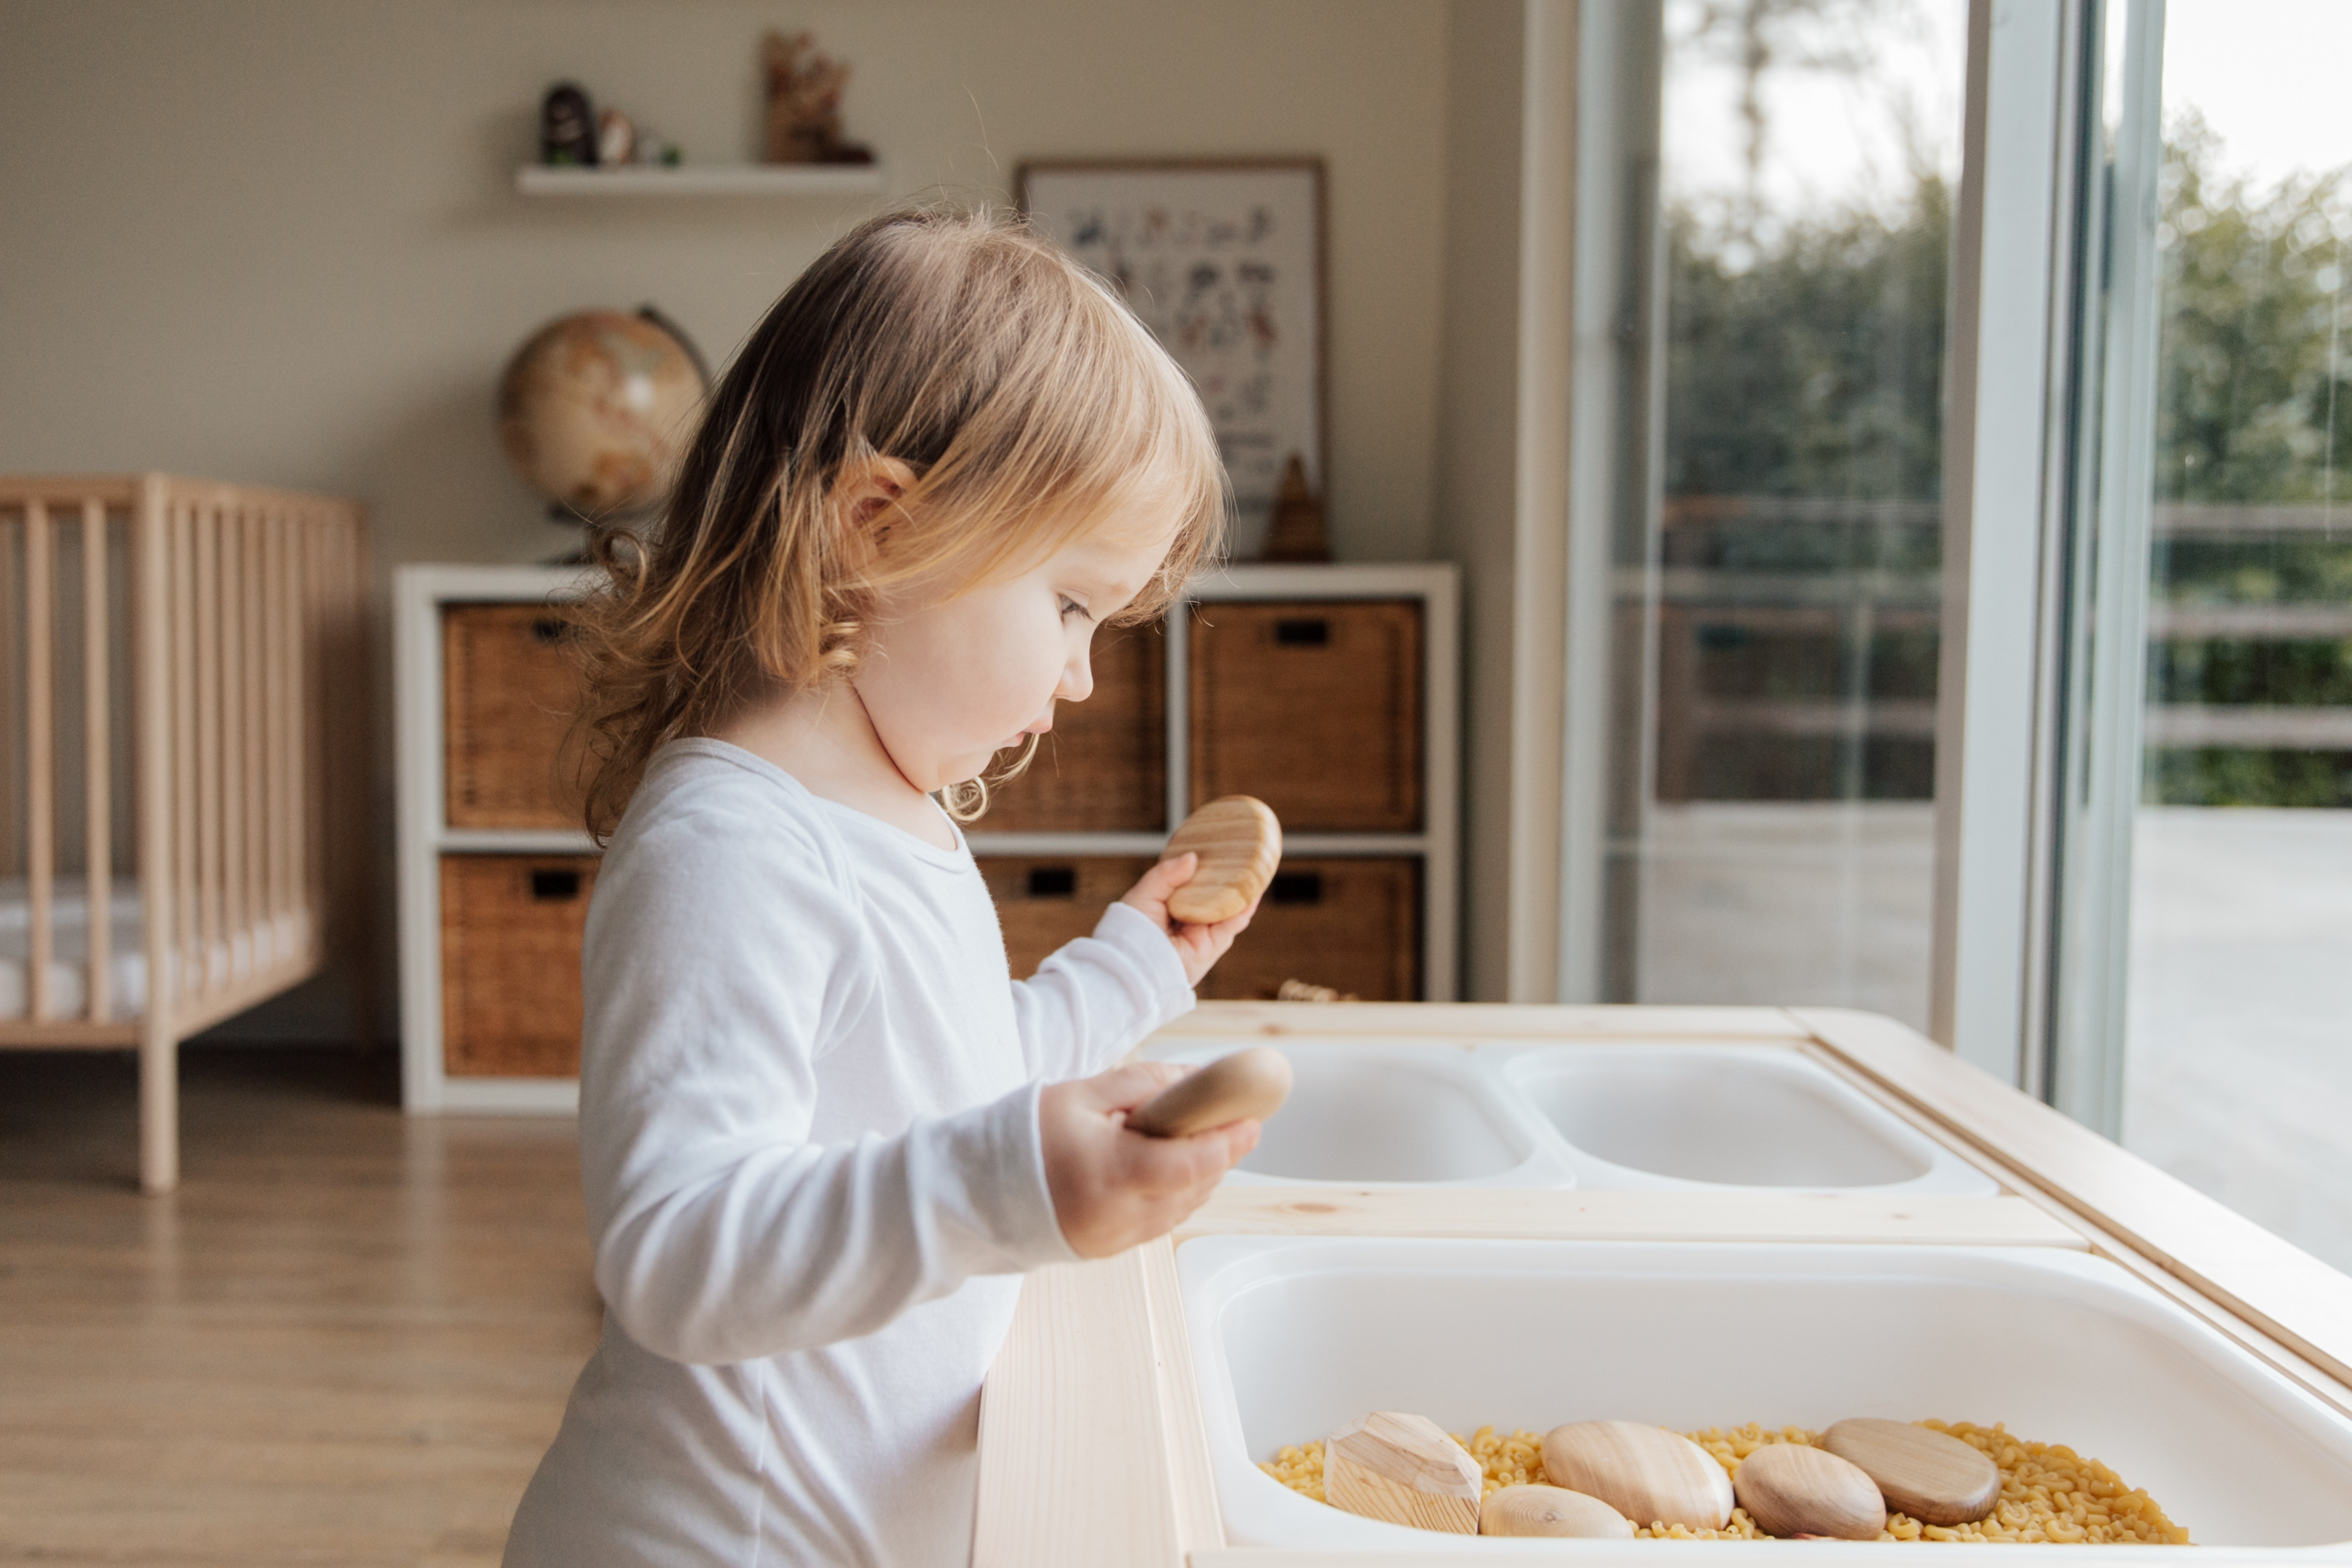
816,1151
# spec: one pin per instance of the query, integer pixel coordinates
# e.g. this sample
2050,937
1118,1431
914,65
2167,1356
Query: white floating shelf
703,179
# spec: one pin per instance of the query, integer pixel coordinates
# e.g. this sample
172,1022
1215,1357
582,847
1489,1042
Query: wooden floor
346,1339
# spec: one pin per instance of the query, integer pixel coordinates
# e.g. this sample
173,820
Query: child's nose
1077,679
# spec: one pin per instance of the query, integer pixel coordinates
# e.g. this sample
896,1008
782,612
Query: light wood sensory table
1093,1449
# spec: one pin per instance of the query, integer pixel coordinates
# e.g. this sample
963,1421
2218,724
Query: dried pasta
2048,1492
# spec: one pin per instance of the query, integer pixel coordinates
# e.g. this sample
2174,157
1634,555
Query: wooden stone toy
1239,843
1789,1490
1250,1083
1552,1510
1405,1469
1648,1474
1935,1478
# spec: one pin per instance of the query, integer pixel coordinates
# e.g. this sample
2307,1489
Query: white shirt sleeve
1094,999
720,957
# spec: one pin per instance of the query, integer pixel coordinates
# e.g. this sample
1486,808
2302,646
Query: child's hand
1113,1188
1198,946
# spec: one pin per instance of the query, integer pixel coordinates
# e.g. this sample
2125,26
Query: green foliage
1809,362
2303,672
2253,408
2254,397
2229,775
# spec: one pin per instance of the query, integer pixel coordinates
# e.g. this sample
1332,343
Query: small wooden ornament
616,139
567,127
1552,1510
1250,1083
1935,1478
1405,1469
1791,1490
1295,529
1648,1474
1239,841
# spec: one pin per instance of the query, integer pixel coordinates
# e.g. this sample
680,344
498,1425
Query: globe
596,408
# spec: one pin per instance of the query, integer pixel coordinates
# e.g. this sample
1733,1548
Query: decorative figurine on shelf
567,127
1296,531
616,139
804,86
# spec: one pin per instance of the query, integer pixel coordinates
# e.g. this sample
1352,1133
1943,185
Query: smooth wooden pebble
1250,1083
1405,1469
1935,1478
1552,1510
1791,1490
1648,1474
1239,841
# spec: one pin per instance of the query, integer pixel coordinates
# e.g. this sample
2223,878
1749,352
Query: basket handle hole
554,887
1053,881
1295,888
1314,632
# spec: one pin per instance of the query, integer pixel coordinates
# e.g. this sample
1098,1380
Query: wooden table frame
1094,1451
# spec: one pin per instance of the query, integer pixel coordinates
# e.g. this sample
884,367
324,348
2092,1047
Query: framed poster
1224,261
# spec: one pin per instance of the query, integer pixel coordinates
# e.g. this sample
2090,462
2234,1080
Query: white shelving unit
1437,588
704,180
425,835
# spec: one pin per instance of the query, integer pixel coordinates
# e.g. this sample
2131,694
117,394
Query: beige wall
1477,448
278,241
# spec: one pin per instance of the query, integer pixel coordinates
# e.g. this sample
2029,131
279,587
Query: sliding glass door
1778,538
2236,1063
2064,775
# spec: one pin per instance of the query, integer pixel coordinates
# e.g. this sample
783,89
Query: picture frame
1224,259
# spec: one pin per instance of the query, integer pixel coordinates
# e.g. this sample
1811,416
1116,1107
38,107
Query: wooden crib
183,754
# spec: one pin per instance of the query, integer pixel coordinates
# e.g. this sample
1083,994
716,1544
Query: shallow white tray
1700,1117
1292,1337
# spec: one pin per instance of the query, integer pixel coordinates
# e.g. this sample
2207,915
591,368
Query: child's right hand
1113,1189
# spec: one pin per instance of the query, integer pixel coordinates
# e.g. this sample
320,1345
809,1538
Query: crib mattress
244,952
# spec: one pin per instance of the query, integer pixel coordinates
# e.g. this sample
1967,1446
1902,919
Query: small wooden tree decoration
1296,531
804,87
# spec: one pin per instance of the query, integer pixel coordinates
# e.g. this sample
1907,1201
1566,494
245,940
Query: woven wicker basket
512,686
510,933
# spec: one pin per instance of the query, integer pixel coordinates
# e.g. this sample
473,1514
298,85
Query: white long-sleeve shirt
808,1135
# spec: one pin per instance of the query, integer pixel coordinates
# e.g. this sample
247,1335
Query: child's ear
864,503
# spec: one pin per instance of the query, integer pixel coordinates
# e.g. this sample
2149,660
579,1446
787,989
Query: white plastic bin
1603,1116
1292,1337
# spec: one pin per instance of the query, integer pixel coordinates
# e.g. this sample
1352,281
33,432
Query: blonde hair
1026,399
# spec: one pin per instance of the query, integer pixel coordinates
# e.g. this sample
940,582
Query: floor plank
346,1339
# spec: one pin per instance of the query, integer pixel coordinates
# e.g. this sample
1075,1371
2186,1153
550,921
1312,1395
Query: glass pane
1771,827
2238,1073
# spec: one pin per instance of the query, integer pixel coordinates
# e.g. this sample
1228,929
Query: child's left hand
1199,947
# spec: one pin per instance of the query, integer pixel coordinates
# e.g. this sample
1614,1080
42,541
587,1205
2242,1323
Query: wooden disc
1405,1469
1789,1490
1239,842
1648,1474
1552,1510
1935,1478
1254,1082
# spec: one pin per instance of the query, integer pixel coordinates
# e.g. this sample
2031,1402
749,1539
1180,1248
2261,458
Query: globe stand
636,519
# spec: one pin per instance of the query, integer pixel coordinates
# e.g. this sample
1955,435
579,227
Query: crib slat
180,584
12,723
158,624
97,761
40,849
229,584
303,764
285,811
208,745
256,724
